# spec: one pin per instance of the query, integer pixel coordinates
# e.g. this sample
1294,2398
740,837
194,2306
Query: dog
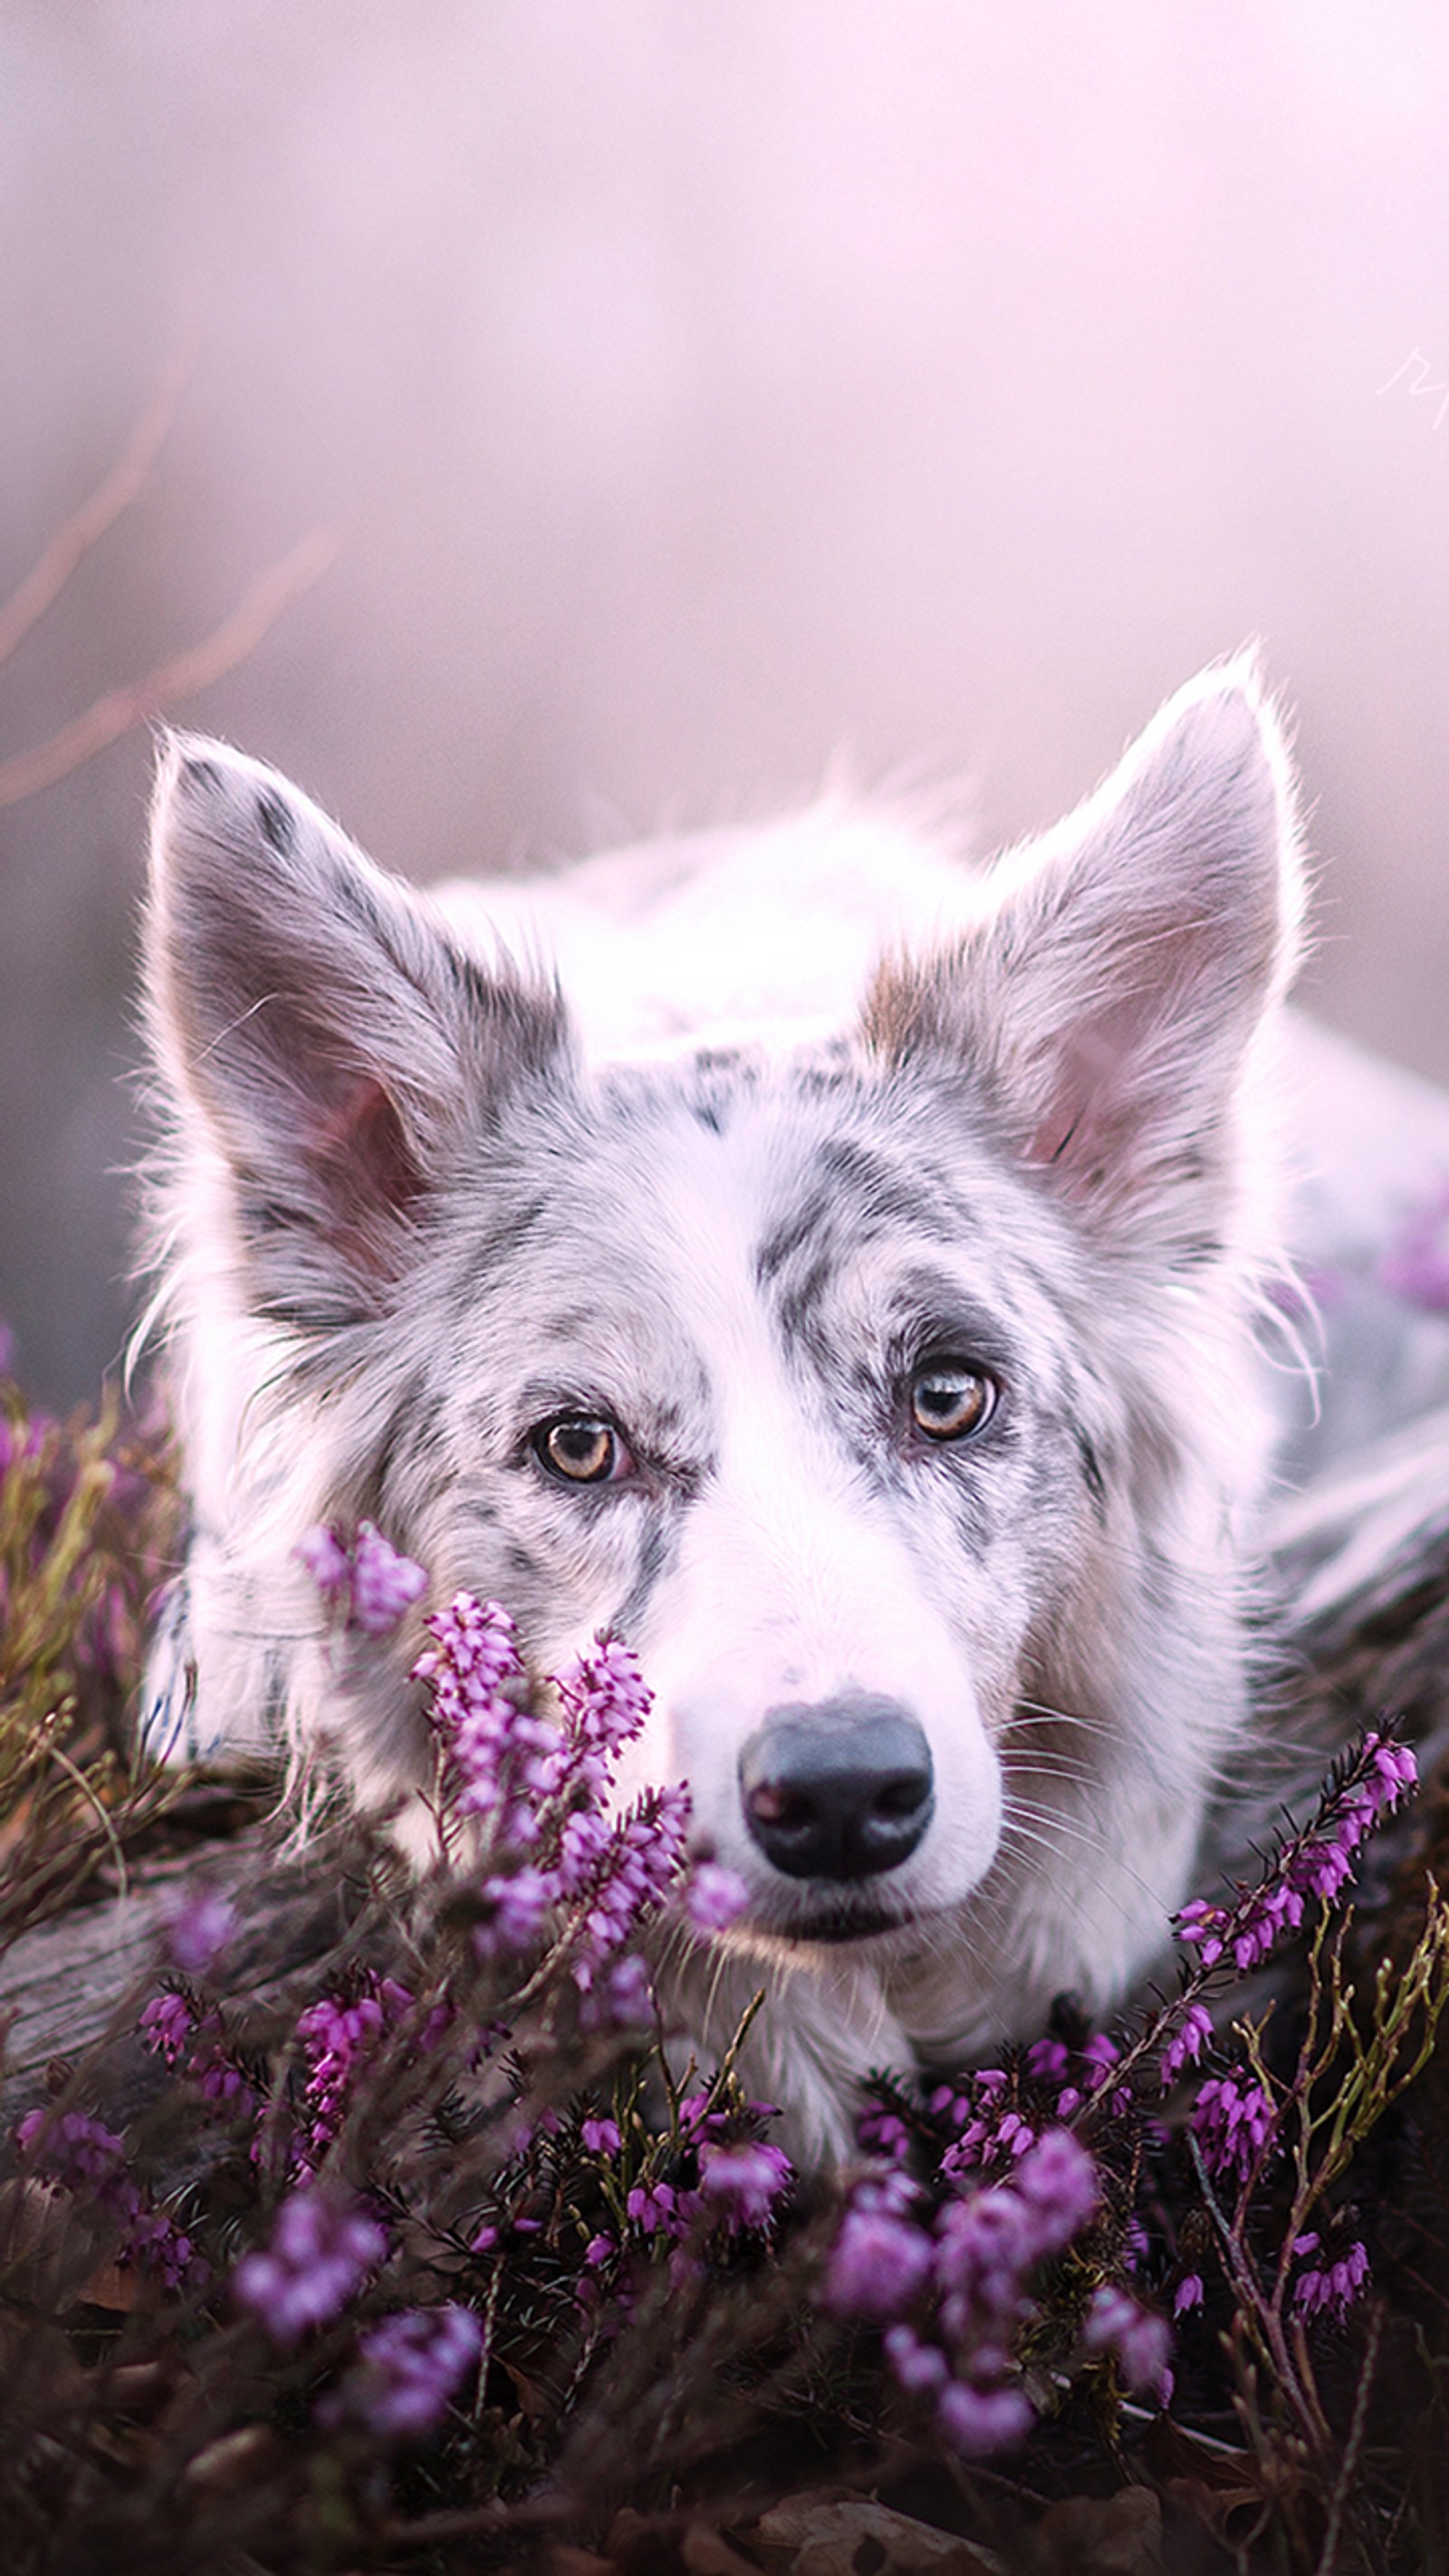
834,1267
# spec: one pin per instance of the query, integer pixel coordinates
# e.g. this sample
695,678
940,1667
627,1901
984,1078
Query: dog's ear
329,1046
1107,1003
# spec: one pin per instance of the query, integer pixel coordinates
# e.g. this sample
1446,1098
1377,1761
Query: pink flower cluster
1234,2123
337,2038
87,2158
543,1787
741,2181
321,2250
1316,1863
1138,2340
369,1581
502,1761
1186,2045
975,2268
991,2128
194,2041
1325,2289
742,2184
408,2370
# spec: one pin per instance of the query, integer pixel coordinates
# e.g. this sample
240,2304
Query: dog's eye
582,1448
950,1400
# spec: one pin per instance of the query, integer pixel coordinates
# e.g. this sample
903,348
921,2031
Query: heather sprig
1316,1862
557,1868
408,2371
321,2250
369,1580
960,2291
91,2162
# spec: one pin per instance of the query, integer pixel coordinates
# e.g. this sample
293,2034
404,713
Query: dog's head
891,1397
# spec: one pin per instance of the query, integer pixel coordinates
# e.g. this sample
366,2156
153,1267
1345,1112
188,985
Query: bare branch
74,538
109,716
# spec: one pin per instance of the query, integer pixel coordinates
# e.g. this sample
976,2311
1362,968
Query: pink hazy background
703,390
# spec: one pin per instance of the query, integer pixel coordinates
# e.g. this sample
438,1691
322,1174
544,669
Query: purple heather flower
337,2037
1048,2058
601,2137
1187,2043
1329,2289
916,2365
978,2420
599,2249
503,1761
877,2265
1059,2182
377,1583
155,2241
623,2000
384,1583
1100,2055
166,2025
643,1855
985,2246
607,1702
321,2249
890,2189
1321,1869
715,1896
516,1910
652,2206
989,2243
1234,2122
172,2029
199,1929
1138,2341
1203,1927
744,2182
85,2157
1318,1863
1187,2295
409,2369
326,1559
73,2149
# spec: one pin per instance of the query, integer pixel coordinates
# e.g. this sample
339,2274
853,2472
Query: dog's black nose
839,1790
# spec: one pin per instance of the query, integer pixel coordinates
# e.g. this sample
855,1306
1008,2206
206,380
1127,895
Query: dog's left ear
1106,1005
330,1048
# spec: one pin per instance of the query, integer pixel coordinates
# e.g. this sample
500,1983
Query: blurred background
700,392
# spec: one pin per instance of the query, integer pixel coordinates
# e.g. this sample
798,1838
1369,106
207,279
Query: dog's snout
840,1790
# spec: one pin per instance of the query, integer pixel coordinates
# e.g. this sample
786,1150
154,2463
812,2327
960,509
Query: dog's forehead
789,1179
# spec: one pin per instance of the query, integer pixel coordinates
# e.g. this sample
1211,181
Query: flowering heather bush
406,2243
87,1522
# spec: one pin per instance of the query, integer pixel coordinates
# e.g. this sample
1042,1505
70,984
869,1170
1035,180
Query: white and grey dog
831,1267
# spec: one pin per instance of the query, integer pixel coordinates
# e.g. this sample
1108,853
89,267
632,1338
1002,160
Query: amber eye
950,1400
581,1448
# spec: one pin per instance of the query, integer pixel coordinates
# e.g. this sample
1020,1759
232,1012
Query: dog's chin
829,1926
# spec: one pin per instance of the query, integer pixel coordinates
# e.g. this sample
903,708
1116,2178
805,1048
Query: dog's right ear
1108,1003
322,1034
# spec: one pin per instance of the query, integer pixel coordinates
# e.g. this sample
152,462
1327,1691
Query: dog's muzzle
841,1790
